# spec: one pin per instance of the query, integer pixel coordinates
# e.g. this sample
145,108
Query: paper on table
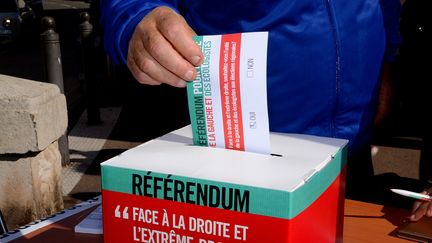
228,99
92,224
41,223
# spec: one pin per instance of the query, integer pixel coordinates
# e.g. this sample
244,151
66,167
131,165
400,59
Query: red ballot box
167,190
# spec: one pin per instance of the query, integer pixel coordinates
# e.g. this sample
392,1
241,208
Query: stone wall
33,116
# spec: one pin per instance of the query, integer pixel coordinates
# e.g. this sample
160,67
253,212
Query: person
324,57
415,53
422,207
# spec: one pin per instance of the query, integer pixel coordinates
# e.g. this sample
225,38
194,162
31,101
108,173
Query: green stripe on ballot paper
195,95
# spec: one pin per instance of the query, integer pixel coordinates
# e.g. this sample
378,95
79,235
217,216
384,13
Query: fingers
163,52
175,29
162,49
148,71
139,75
429,210
416,205
420,210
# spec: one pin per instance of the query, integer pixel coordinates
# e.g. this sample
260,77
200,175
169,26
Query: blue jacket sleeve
119,19
391,10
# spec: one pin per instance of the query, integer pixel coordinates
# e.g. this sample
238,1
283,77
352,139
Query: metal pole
53,71
86,27
91,80
3,226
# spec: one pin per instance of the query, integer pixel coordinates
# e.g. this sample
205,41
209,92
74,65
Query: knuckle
142,29
154,45
171,25
147,38
146,66
180,68
132,47
162,10
155,48
171,31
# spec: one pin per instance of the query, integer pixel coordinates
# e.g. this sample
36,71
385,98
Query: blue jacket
324,57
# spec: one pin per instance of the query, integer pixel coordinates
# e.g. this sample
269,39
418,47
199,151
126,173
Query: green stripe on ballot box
235,197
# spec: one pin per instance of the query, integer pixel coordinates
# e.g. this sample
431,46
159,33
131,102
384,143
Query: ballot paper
228,98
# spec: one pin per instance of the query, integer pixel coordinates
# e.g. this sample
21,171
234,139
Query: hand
162,50
421,208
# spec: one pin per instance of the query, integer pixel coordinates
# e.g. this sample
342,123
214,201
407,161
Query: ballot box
168,190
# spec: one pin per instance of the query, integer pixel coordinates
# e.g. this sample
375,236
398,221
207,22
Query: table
363,222
367,222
